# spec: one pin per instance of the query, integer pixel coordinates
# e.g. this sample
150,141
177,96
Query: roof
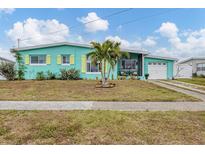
4,59
191,58
73,44
161,57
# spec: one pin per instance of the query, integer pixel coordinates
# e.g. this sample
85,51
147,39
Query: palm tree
107,52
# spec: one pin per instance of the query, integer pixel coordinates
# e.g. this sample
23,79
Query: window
65,59
129,64
201,67
38,59
91,67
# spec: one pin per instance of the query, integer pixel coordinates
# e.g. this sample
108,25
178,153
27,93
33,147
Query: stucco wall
54,67
170,65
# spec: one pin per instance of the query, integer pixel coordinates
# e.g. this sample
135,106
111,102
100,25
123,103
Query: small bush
7,70
202,76
194,74
50,75
40,76
71,74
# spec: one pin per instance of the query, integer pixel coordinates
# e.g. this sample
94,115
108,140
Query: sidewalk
95,105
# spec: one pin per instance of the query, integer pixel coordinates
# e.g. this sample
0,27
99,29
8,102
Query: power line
146,17
107,16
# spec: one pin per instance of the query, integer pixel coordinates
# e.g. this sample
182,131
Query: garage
157,70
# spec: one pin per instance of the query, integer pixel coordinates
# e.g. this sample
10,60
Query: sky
178,33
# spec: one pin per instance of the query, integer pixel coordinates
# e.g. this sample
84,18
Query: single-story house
65,55
4,60
186,68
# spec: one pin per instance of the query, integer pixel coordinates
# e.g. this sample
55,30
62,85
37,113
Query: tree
20,66
7,70
103,53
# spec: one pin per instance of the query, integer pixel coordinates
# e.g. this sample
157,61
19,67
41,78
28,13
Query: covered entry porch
132,66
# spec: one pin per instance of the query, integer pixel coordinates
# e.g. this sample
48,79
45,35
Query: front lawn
197,80
126,90
101,127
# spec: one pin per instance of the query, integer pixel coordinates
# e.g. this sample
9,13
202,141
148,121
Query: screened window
201,67
129,64
92,67
65,59
38,59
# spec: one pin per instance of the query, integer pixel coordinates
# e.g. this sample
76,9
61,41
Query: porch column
142,65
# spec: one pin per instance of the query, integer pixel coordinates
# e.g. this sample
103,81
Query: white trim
37,64
141,51
160,57
65,64
93,72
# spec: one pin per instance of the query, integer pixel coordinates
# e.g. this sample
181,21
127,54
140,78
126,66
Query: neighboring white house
4,60
187,67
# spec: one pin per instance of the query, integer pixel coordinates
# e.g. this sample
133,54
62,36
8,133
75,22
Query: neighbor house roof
73,44
4,59
160,57
192,58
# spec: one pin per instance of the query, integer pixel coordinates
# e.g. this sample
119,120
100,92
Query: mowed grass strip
127,90
196,80
101,127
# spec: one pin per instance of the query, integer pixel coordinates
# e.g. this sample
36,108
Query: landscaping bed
67,90
101,127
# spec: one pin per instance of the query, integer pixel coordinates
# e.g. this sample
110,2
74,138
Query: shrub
40,76
7,70
194,74
202,76
71,74
50,75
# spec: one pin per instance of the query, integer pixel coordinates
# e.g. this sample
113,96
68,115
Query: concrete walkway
193,93
92,105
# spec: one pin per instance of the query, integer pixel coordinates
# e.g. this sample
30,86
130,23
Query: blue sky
167,32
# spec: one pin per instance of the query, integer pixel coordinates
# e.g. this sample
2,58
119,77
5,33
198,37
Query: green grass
197,80
127,90
101,127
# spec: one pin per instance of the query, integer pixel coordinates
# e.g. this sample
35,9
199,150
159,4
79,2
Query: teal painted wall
31,70
170,65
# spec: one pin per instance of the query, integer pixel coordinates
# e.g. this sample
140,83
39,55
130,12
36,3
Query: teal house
65,55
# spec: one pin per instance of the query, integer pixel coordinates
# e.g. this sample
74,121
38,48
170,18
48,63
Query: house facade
54,57
190,66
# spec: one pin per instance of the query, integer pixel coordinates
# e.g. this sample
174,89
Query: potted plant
146,76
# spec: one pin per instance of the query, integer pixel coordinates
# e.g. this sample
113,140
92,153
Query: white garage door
157,70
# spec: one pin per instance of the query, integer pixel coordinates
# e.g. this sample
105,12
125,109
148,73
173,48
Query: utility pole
18,42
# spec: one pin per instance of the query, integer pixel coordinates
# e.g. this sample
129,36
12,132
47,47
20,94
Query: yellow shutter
27,59
59,59
48,59
72,59
83,63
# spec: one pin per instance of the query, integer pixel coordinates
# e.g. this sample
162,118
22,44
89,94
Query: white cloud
168,29
38,31
192,44
150,41
137,44
7,10
98,23
6,54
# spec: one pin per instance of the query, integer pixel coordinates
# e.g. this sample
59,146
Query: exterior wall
170,65
31,70
194,63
